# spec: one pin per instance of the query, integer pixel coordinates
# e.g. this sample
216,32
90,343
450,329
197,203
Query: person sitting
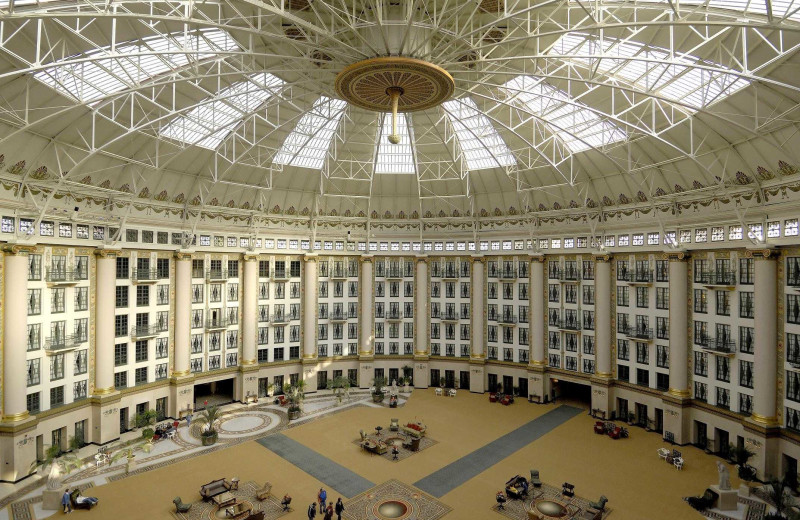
513,493
501,500
523,484
286,501
80,499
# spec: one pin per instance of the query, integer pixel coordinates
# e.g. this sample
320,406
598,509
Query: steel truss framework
667,140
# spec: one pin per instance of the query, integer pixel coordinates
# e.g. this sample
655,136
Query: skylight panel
395,158
308,143
680,80
106,72
579,127
480,143
207,124
789,9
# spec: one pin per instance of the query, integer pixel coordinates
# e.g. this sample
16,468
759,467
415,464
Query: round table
378,430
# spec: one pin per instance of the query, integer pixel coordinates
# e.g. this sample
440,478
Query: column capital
18,249
310,257
536,257
107,253
249,257
762,253
182,255
676,256
366,258
477,259
602,257
422,258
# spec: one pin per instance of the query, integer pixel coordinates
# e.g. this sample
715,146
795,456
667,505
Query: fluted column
766,337
679,324
366,338
421,309
249,309
105,294
310,308
478,316
602,295
183,313
538,312
15,318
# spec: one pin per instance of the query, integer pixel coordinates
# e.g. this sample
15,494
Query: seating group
504,399
610,429
219,490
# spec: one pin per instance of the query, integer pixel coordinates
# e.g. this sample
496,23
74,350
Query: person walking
322,497
66,502
329,512
339,508
312,511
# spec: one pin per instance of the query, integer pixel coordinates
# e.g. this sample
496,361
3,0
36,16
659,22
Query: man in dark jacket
339,508
312,511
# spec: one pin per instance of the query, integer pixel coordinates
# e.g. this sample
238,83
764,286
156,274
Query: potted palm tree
128,452
341,388
377,393
58,463
208,420
295,393
740,455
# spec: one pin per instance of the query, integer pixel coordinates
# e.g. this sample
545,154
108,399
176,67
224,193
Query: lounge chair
264,492
535,482
703,502
394,425
600,505
180,507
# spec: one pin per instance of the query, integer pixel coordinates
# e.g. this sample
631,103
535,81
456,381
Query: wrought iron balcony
641,333
717,278
144,275
63,342
338,273
507,320
450,316
569,275
393,273
394,316
216,274
66,276
144,331
569,324
721,346
280,319
280,275
219,323
338,316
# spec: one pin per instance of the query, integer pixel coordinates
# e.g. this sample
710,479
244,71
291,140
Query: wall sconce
309,371
25,440
251,378
185,391
111,411
754,442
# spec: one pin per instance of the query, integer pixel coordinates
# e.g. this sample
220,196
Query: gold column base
678,393
16,417
537,363
104,391
309,356
478,356
764,420
603,374
249,362
182,373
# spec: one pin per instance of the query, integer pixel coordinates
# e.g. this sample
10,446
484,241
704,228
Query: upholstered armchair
600,505
264,492
363,435
180,507
535,482
394,425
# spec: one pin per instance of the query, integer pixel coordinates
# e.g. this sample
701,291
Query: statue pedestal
728,498
51,499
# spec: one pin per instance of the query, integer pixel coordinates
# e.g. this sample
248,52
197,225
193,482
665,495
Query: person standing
65,501
329,512
188,420
322,497
339,508
312,511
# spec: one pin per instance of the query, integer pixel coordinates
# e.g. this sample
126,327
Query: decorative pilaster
309,307
366,337
183,313
766,337
249,309
678,324
602,293
15,319
421,304
104,335
538,312
477,309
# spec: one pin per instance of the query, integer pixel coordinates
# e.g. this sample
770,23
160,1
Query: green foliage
148,418
76,442
777,494
208,418
148,434
295,393
127,449
740,454
379,383
53,456
340,385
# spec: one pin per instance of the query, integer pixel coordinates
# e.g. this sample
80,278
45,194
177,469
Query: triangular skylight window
789,9
680,81
310,140
579,127
208,123
480,143
127,66
395,158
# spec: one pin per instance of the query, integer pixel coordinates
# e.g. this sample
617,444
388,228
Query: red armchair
614,434
506,400
599,428
492,397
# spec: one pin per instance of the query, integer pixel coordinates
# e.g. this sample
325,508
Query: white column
104,336
310,308
183,313
679,324
249,309
538,312
15,331
766,337
478,316
421,309
366,338
602,298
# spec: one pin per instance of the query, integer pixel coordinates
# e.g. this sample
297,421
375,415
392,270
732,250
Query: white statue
394,387
724,476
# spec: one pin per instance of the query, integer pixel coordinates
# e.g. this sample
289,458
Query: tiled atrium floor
637,482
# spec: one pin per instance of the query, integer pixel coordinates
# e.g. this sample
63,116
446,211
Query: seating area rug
397,439
749,509
573,507
207,510
394,500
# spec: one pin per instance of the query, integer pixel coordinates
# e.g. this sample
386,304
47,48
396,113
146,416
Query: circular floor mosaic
242,423
394,509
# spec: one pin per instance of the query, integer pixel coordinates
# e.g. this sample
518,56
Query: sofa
214,488
239,511
416,430
703,502
79,502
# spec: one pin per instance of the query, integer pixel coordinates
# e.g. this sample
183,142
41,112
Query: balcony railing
393,273
63,342
144,275
645,333
573,324
280,275
220,323
66,276
216,274
279,319
504,273
144,331
717,278
569,275
338,316
449,273
720,346
641,276
506,319
339,273
450,316
394,315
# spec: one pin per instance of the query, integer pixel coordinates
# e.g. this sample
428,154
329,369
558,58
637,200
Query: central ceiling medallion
394,84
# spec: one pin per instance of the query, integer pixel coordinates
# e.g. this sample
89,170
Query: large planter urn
209,438
295,414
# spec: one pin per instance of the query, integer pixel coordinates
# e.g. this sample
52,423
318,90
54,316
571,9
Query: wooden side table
235,484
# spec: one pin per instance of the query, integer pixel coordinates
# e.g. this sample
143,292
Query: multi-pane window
120,379
121,296
142,295
642,297
723,302
701,364
81,298
34,302
33,372
141,351
662,270
746,304
58,299
79,389
623,352
623,295
793,349
793,386
140,375
746,373
793,308
723,369
122,268
553,293
588,294
642,353
723,397
120,354
121,325
34,336
56,367
662,356
701,333
662,297
56,396
700,391
81,330
746,271
662,327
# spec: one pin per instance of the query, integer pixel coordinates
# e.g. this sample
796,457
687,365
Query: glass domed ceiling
564,106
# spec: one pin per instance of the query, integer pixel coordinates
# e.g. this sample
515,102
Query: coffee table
224,499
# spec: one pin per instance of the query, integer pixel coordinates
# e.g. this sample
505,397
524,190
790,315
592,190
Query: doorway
574,394
215,393
523,387
508,384
463,379
394,377
123,420
641,415
449,378
722,441
700,434
659,426
492,380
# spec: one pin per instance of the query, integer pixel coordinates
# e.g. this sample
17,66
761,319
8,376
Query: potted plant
270,390
295,393
148,434
631,418
740,455
146,418
127,451
76,442
441,382
341,388
208,420
777,492
58,463
408,374
377,392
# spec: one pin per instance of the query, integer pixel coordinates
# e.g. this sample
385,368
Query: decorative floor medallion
394,500
548,504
